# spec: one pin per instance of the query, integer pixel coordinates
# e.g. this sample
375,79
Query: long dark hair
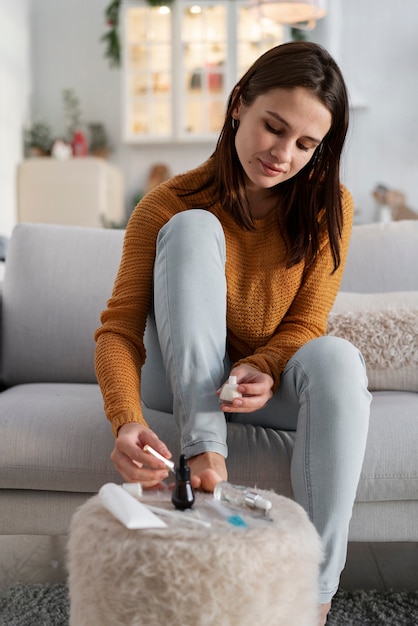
316,187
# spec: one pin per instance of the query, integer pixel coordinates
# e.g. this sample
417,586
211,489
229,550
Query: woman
239,262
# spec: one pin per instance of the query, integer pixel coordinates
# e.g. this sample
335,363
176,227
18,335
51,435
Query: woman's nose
282,151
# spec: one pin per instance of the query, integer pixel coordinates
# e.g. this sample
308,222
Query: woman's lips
270,169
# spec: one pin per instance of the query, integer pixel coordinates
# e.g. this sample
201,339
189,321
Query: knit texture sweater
272,310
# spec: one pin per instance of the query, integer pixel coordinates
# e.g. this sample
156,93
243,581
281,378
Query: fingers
254,397
255,387
132,471
132,462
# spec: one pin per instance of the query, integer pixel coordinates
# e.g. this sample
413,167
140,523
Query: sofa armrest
1,332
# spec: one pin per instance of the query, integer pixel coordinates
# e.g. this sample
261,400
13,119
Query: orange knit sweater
271,310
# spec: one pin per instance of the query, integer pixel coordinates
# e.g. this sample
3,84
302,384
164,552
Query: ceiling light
290,11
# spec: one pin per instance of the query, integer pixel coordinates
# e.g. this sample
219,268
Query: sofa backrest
382,257
56,283
58,279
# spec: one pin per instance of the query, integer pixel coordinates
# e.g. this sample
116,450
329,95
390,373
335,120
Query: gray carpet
48,605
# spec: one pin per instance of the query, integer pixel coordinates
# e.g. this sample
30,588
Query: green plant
72,112
298,34
159,3
98,139
111,38
38,136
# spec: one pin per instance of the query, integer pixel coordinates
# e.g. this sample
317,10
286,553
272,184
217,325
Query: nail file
129,511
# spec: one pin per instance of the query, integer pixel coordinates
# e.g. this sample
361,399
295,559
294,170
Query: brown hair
316,187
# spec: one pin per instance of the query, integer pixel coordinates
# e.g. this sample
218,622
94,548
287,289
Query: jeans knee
334,360
331,378
192,221
193,230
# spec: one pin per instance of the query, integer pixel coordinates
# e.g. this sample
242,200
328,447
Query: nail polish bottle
183,496
230,391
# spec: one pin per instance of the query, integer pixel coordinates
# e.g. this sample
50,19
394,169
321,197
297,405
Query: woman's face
278,134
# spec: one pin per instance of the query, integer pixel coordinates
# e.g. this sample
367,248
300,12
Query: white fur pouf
189,575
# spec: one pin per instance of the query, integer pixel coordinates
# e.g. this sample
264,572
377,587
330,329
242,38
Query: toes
196,482
209,479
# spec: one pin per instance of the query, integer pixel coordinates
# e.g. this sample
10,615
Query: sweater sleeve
120,351
307,316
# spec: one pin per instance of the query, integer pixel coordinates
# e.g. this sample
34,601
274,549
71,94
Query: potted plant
38,139
98,140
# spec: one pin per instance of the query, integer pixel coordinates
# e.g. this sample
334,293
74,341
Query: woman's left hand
256,389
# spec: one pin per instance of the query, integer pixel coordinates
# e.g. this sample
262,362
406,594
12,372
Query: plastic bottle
241,497
79,144
183,495
230,391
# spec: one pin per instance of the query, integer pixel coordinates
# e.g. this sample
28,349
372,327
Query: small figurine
61,150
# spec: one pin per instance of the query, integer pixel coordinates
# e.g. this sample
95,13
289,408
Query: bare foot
323,613
207,470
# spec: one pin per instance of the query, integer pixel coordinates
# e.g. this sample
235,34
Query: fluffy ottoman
189,575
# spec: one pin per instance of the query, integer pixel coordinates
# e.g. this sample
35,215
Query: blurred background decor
391,205
38,139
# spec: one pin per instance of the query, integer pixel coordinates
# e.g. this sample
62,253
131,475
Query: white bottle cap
253,499
135,489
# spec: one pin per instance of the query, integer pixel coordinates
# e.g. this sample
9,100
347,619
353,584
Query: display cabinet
180,62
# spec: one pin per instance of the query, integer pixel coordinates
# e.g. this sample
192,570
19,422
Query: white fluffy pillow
384,326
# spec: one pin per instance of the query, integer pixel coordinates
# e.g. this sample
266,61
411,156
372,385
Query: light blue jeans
322,395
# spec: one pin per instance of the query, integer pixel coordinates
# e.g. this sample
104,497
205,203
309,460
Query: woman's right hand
132,462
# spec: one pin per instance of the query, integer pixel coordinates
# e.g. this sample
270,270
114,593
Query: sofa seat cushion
389,473
55,437
42,448
390,470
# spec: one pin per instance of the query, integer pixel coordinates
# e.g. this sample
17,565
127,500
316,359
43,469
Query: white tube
129,511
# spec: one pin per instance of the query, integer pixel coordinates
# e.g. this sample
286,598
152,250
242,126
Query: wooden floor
380,566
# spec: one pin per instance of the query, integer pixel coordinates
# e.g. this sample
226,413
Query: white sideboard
82,191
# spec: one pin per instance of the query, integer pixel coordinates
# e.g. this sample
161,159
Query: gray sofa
55,440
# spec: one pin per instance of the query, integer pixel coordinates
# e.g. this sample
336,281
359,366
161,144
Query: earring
235,123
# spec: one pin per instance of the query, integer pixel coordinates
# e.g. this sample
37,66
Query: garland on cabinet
112,37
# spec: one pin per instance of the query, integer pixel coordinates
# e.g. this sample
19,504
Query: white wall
68,54
14,100
379,58
373,40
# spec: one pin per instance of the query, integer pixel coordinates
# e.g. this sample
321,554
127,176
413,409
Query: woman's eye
271,129
303,147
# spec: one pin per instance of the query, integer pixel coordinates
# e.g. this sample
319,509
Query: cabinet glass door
254,36
203,60
149,71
